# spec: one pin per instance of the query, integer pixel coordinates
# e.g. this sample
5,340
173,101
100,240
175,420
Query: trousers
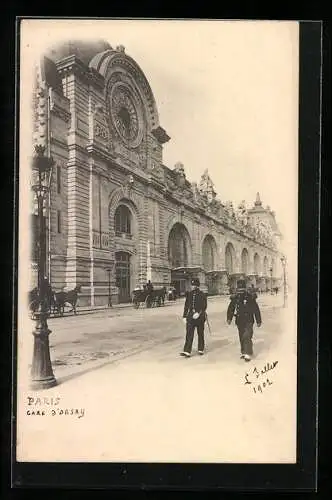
190,330
246,331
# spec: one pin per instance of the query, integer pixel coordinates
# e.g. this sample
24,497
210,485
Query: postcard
158,238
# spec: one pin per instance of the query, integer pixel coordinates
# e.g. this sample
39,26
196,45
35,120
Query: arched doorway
179,257
122,275
244,261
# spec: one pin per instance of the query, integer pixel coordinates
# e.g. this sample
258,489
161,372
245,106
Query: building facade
117,215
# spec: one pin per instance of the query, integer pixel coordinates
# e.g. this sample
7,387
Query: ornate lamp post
109,287
283,262
271,271
41,372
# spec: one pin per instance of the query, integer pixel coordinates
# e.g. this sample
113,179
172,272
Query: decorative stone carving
258,202
242,214
195,192
100,128
180,174
206,187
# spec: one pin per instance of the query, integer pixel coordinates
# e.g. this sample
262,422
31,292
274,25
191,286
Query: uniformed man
194,316
244,307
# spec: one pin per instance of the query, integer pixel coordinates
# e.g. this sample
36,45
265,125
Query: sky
227,95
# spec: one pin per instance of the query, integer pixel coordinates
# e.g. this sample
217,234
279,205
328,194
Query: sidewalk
89,309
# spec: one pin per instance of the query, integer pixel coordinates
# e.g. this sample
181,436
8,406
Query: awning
187,269
217,271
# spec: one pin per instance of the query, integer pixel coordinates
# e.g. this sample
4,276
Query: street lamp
271,271
41,371
283,262
109,287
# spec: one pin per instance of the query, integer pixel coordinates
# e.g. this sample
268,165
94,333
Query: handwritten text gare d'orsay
258,379
41,406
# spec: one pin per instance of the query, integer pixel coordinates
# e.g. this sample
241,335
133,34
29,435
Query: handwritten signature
264,381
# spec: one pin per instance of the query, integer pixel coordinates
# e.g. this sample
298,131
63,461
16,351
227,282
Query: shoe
247,357
201,353
242,356
186,354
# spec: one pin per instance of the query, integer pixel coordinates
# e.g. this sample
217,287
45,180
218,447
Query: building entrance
122,272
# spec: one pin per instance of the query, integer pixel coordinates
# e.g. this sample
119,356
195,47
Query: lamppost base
41,376
45,383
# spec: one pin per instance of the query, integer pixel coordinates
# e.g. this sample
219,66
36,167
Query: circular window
125,115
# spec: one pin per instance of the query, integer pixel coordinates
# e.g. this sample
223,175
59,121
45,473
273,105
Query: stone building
117,215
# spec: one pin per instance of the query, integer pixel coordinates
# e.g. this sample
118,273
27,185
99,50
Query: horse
157,296
69,297
34,301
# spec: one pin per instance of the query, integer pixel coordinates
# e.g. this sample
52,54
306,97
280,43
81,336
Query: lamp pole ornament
42,376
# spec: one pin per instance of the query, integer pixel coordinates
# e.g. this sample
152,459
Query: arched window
122,220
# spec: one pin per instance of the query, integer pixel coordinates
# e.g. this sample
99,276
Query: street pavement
141,401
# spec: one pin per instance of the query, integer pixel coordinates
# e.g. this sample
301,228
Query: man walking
194,316
244,307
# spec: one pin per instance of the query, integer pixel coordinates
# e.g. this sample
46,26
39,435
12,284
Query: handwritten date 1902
259,385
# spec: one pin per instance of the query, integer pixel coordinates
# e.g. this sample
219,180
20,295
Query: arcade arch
245,261
179,246
209,253
179,257
230,258
257,264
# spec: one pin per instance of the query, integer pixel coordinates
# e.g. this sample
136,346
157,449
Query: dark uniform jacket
245,309
195,302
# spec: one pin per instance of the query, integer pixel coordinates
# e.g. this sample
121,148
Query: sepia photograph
157,241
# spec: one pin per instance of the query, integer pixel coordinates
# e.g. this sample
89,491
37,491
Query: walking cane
208,324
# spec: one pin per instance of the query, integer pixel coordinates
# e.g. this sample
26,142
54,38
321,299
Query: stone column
148,262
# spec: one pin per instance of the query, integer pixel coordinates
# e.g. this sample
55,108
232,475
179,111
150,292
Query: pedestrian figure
244,307
194,316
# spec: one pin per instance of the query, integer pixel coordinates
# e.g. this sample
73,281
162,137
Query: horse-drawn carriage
55,302
149,297
172,293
